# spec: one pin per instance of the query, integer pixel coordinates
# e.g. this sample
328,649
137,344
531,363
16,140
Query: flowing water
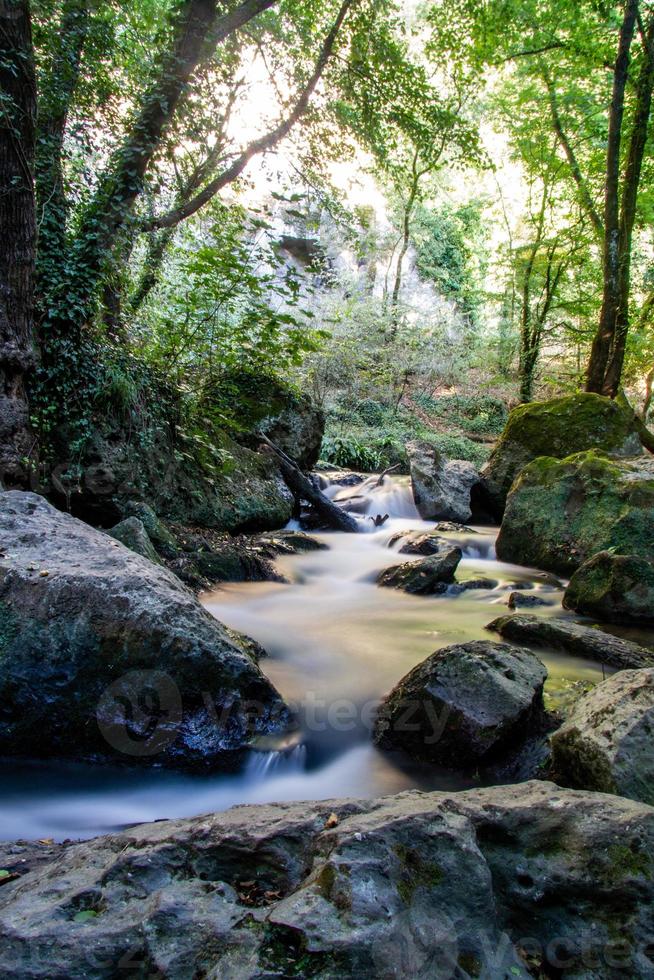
337,643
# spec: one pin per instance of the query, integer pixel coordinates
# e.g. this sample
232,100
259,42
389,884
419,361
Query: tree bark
18,223
199,28
631,182
612,251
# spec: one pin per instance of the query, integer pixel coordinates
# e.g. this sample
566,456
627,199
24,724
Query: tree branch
260,145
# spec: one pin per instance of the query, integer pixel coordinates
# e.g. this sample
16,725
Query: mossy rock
557,428
606,742
615,588
132,533
560,512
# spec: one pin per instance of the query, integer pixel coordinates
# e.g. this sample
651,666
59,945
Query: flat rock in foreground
436,885
465,704
584,641
606,742
106,654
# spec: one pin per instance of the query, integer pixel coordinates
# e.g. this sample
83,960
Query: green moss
560,512
626,860
416,873
10,626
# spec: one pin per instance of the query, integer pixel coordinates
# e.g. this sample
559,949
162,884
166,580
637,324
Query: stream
337,643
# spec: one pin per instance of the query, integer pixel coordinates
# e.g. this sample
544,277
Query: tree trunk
631,183
612,253
18,223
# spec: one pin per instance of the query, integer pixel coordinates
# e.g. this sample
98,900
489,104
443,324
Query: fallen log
303,489
380,478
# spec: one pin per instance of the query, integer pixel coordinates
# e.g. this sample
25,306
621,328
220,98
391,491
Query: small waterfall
264,764
393,496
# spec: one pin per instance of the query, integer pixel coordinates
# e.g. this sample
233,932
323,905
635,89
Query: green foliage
348,452
473,413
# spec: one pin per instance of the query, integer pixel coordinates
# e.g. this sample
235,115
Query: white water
337,643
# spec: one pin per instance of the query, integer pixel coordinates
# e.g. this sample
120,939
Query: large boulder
465,704
560,512
211,482
606,742
514,881
582,641
298,430
615,588
441,487
427,576
558,428
106,654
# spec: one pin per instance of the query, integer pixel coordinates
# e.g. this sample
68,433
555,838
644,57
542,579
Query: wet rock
472,583
415,885
560,512
288,543
606,742
465,704
420,543
556,428
133,535
340,478
107,654
441,487
427,576
454,526
583,641
517,599
615,588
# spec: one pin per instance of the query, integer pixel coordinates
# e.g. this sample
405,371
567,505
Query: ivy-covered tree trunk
18,223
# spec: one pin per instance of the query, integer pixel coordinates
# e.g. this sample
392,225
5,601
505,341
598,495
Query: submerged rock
518,598
583,641
106,654
431,885
615,588
556,428
471,584
465,704
420,543
427,576
441,487
133,535
560,512
606,742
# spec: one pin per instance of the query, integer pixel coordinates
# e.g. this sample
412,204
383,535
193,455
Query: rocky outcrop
106,654
507,882
583,641
560,512
464,704
606,742
297,430
427,576
216,483
556,428
441,487
615,588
